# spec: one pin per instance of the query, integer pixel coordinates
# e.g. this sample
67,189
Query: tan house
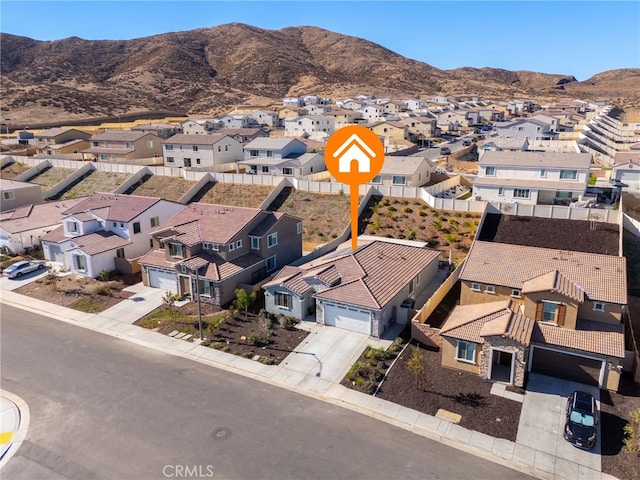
123,145
389,129
290,112
404,171
530,309
15,194
420,127
62,141
220,248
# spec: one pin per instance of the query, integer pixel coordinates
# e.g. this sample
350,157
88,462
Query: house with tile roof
410,171
626,170
106,231
305,164
22,229
389,129
123,146
532,177
62,141
530,309
358,290
200,150
14,194
212,250
312,126
530,128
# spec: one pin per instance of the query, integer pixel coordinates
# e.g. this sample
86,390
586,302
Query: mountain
209,70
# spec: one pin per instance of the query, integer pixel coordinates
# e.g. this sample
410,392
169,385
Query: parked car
18,269
582,420
445,151
466,143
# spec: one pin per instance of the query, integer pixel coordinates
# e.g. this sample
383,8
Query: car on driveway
23,267
581,425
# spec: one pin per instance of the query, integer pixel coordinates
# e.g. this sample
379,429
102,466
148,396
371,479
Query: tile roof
401,165
116,207
602,277
99,242
157,258
6,184
531,183
589,336
68,143
54,132
184,139
536,159
120,136
55,236
114,151
624,158
30,217
554,281
270,142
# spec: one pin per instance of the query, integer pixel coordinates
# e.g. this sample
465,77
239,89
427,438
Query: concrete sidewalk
14,424
299,373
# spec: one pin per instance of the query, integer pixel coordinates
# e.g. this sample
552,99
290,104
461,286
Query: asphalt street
103,408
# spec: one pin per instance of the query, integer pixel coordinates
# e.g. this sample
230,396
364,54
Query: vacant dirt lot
51,176
169,188
14,169
95,182
233,194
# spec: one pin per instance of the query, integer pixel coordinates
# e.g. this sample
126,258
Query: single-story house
17,194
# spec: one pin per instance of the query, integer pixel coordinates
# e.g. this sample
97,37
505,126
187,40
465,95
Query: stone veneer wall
507,345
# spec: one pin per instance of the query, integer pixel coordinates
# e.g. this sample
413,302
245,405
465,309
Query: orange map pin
354,155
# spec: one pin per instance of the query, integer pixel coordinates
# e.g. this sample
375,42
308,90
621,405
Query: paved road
104,408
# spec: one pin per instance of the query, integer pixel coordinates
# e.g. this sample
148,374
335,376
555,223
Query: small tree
244,300
104,275
632,431
169,298
594,218
52,280
417,366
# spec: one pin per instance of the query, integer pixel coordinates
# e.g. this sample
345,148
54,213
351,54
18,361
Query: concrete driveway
14,283
328,352
542,424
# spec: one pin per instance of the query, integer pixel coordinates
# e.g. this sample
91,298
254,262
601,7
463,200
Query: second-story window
155,221
195,148
272,240
136,227
568,174
490,171
168,147
253,153
255,243
598,306
239,244
176,250
72,227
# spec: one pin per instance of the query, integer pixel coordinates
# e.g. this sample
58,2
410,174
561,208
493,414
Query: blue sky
579,38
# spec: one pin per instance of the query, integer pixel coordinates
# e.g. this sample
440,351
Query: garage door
630,178
564,365
164,280
348,318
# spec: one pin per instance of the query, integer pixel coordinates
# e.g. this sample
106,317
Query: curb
20,434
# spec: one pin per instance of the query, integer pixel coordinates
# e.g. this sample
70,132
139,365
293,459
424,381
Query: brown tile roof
590,336
355,292
624,158
120,136
120,208
56,235
602,277
156,258
183,139
554,281
99,242
41,215
465,321
536,159
187,234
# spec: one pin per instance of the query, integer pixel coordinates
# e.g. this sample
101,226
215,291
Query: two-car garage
163,279
349,318
566,365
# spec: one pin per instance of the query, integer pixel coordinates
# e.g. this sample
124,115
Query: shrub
258,340
422,213
104,290
104,275
411,234
407,209
385,202
632,431
357,370
450,238
417,366
391,208
266,360
288,323
247,354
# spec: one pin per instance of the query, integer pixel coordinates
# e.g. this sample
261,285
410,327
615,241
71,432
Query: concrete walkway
14,424
312,371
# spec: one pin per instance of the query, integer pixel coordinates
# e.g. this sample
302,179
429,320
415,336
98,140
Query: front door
185,285
501,364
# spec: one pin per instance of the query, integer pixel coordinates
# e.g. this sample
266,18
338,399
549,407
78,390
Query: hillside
209,70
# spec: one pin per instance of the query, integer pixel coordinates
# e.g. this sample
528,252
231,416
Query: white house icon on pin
354,149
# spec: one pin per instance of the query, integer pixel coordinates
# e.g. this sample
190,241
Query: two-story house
123,145
530,309
305,164
372,113
238,121
62,141
159,129
244,135
200,150
16,194
215,249
530,128
389,129
410,171
105,232
419,128
313,126
361,290
193,126
343,117
626,170
264,118
274,147
532,177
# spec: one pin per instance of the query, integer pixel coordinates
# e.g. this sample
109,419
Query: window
466,352
195,148
168,147
475,286
543,172
490,171
120,253
598,306
232,247
377,179
269,154
255,243
239,244
253,153
515,293
501,191
136,227
121,225
72,227
272,240
155,221
549,310
150,144
197,161
96,144
399,180
151,243
521,193
265,169
226,148
219,148
127,145
564,195
287,171
176,250
80,262
204,288
568,174
170,159
8,195
299,228
271,264
490,289
283,300
104,157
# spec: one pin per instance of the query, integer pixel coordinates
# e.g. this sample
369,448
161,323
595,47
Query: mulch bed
234,335
459,392
617,460
574,235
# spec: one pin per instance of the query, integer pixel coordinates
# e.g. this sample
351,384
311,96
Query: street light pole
199,306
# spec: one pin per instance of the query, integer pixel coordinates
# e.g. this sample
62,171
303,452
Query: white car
18,269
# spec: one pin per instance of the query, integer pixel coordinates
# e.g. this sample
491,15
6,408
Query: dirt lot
169,188
81,293
243,335
14,169
575,235
415,220
233,194
95,182
51,176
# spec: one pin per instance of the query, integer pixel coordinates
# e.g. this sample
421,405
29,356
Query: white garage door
347,318
630,178
163,280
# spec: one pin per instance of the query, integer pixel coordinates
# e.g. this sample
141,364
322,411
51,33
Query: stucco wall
449,348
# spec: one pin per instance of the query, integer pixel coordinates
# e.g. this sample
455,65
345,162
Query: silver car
23,267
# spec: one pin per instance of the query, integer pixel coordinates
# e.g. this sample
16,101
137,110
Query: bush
632,431
411,234
104,289
407,210
422,213
266,360
258,340
104,275
288,323
247,354
357,371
